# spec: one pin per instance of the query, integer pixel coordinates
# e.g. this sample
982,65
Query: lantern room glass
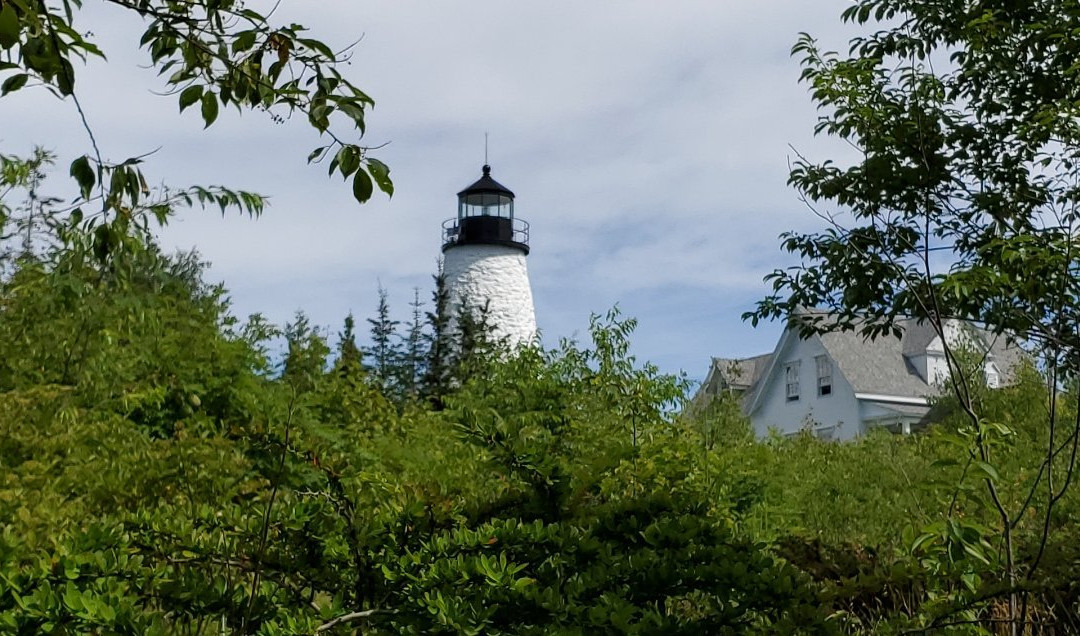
485,204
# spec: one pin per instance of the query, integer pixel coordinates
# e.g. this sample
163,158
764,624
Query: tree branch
351,616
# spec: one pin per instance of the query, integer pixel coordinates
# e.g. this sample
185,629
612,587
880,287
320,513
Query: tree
305,358
581,530
349,359
211,53
460,343
438,367
31,220
412,347
384,352
963,203
473,341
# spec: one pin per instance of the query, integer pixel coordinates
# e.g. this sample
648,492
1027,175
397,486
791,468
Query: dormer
925,352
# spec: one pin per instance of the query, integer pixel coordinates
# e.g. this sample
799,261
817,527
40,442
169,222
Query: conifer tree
437,370
412,363
349,358
384,351
305,360
473,340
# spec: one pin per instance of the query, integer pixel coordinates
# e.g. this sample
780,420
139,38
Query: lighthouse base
495,276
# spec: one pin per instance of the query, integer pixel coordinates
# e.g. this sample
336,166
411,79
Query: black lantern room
486,217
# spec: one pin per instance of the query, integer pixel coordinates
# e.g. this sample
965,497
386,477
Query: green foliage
585,527
167,483
899,531
961,205
645,566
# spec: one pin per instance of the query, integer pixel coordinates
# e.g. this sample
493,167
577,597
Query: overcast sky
647,143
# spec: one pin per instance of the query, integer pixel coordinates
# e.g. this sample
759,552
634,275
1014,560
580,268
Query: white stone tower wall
495,274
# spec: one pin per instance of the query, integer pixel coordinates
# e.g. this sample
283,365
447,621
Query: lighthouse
484,250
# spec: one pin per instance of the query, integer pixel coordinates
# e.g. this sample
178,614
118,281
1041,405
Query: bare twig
351,616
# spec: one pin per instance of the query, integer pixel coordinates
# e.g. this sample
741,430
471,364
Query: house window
824,375
791,374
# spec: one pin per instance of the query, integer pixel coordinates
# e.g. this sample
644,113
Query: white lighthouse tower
484,250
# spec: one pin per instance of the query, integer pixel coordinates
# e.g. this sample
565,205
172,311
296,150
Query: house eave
893,399
766,377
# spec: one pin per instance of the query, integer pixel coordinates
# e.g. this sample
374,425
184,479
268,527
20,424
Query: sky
648,145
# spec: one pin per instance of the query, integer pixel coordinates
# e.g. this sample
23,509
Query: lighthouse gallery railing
452,234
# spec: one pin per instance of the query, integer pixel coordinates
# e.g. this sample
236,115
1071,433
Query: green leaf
14,83
988,470
92,49
73,598
354,112
133,188
940,463
189,96
103,242
9,26
318,47
65,78
244,41
349,160
161,213
209,108
381,173
976,552
922,540
362,186
84,175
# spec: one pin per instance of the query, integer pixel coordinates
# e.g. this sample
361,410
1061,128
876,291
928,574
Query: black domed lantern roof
486,197
486,185
486,216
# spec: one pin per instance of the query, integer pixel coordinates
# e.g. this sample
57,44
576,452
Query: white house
839,385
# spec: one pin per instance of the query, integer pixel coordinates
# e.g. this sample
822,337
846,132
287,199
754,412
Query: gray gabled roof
875,366
918,334
1007,355
735,374
741,373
